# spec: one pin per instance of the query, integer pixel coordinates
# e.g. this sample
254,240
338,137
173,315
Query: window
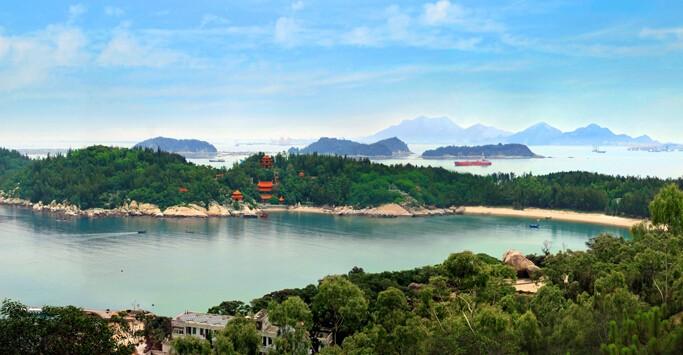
188,330
265,341
194,331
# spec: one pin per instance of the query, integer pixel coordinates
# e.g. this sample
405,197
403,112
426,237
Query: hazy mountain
186,147
594,134
385,148
421,130
538,134
491,151
482,133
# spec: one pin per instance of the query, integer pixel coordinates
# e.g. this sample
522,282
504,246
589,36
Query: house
205,326
200,325
267,330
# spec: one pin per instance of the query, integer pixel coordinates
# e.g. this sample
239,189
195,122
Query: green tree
55,330
666,209
295,320
239,337
190,345
340,304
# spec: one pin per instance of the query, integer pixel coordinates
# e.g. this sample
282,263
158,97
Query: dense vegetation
55,330
490,150
617,297
11,162
106,177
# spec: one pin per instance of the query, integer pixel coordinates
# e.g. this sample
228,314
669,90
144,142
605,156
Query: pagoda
237,196
265,189
267,162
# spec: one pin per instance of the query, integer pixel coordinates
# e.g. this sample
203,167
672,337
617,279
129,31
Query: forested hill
384,148
180,146
106,177
492,150
11,162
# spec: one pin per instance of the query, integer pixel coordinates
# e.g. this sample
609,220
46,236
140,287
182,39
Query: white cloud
210,19
286,30
297,5
29,59
662,33
438,12
125,50
75,11
114,11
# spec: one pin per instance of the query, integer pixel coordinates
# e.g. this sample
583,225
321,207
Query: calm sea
192,264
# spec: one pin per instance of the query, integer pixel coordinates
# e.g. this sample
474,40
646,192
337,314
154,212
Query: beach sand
567,216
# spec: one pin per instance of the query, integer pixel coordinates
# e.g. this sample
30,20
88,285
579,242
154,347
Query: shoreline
392,210
557,215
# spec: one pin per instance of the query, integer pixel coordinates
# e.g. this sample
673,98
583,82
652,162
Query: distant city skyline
118,71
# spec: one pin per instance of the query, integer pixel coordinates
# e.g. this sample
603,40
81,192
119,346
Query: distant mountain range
425,130
390,147
488,151
187,147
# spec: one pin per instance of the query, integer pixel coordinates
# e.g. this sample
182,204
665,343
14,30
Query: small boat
596,149
534,226
142,232
217,160
263,215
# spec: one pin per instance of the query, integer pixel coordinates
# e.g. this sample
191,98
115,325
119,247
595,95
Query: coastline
558,215
392,210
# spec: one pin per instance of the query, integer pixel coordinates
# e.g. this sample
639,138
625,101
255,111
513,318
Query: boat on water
534,226
217,160
142,232
480,162
596,149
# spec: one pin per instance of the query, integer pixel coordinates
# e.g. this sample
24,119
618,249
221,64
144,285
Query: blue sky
125,70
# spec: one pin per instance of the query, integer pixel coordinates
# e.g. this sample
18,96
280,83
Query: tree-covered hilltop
617,297
106,177
11,162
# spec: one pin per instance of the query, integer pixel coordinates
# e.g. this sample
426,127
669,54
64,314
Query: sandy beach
568,216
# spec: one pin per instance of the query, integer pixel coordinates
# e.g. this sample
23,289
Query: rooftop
203,318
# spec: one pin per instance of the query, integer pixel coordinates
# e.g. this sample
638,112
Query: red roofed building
265,188
267,162
183,190
237,195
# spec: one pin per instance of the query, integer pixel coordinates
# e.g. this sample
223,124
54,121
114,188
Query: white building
201,325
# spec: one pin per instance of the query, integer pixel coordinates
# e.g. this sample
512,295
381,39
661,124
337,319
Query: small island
189,148
496,151
388,148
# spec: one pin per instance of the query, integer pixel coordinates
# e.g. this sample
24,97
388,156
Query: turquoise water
192,264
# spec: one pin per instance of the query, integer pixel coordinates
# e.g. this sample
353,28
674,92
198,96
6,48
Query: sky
208,69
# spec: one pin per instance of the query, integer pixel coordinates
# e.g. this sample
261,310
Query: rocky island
496,151
391,147
190,148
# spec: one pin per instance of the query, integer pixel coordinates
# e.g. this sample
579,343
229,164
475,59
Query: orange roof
236,192
183,189
266,197
265,184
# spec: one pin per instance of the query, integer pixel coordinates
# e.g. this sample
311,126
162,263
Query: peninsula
104,180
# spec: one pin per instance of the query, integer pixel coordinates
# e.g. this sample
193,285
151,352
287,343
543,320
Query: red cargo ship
480,162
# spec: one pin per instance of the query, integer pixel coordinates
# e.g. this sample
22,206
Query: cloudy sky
125,70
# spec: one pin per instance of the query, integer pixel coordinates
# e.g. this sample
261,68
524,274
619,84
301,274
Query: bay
192,264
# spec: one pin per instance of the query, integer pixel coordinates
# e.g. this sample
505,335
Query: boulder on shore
217,210
190,210
523,266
